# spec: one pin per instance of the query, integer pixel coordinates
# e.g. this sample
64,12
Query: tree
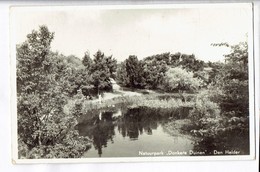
166,57
150,72
175,59
101,70
87,61
111,65
214,73
229,91
73,61
154,72
33,63
44,130
190,63
134,72
234,81
178,79
121,74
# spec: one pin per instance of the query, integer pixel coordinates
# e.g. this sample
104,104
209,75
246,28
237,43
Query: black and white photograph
132,83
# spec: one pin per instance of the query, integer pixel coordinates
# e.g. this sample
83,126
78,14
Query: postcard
130,83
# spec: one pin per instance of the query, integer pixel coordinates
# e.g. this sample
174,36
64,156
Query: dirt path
117,92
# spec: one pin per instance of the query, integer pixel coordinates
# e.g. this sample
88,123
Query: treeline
158,71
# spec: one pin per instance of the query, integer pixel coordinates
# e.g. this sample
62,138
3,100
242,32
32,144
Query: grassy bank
151,100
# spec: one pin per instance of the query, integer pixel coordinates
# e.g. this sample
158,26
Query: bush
204,110
178,79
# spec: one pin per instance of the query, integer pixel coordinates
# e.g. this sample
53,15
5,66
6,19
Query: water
128,133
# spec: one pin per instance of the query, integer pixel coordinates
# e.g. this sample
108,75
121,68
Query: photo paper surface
132,83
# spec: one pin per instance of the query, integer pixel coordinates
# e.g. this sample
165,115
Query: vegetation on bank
53,90
149,101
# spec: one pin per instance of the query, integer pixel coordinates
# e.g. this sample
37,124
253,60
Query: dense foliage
134,72
223,110
151,72
44,131
101,70
178,79
54,90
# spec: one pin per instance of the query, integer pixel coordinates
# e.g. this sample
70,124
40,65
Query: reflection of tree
129,126
132,123
136,121
99,130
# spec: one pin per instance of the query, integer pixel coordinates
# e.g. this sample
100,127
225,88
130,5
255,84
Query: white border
138,159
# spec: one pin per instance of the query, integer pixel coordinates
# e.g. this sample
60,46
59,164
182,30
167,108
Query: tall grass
156,103
136,101
127,102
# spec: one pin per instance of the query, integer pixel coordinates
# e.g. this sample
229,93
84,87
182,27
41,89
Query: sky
141,31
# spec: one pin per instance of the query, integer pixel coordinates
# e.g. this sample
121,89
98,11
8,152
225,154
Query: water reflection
134,123
139,125
100,129
123,132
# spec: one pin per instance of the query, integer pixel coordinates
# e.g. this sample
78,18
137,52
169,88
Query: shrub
178,79
204,109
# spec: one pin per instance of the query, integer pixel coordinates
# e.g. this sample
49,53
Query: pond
134,132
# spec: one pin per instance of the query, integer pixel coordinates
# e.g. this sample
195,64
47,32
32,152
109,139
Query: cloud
142,32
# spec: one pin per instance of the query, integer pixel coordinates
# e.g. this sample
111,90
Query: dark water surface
127,133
